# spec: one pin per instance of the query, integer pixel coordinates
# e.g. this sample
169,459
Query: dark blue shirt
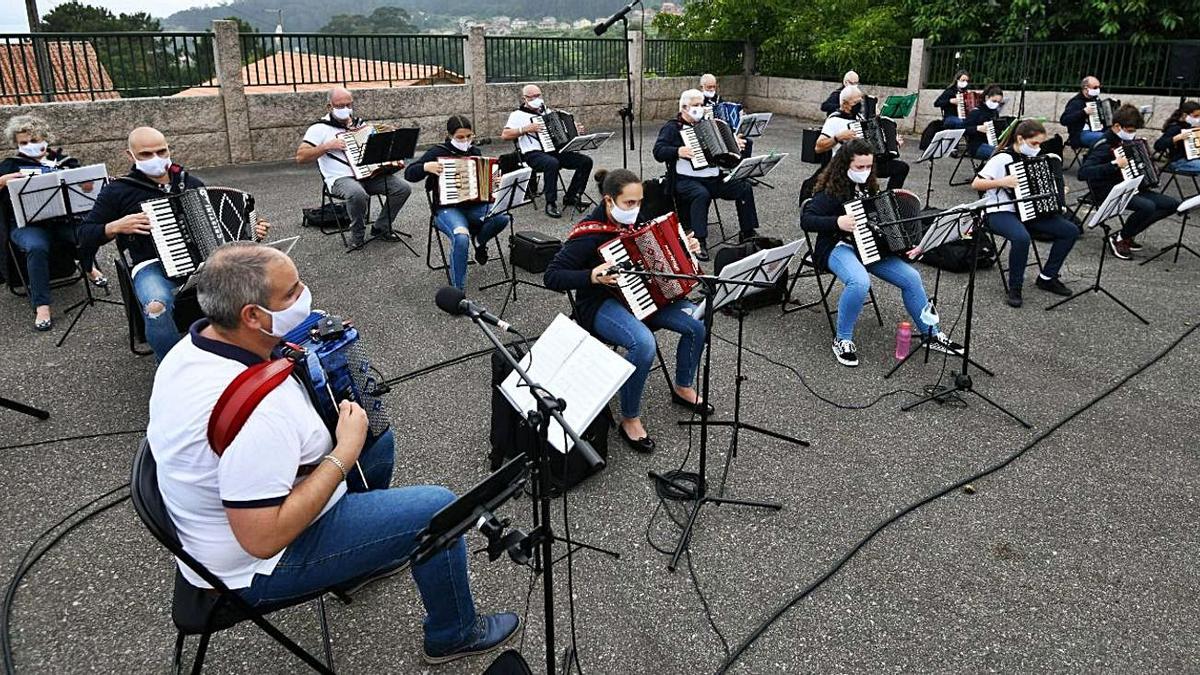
571,270
976,138
1074,117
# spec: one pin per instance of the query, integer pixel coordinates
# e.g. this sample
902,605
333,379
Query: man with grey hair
284,511
831,104
836,131
1075,114
694,189
712,96
321,144
522,129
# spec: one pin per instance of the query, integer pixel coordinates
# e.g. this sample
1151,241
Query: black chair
436,235
1178,182
976,165
343,226
186,312
685,217
64,271
1037,257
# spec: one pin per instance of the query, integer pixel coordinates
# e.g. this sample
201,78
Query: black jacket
666,149
571,270
414,172
124,196
13,164
1074,117
1165,143
943,101
820,215
833,102
976,138
1098,170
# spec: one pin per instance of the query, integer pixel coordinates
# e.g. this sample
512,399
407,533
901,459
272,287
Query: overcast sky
12,12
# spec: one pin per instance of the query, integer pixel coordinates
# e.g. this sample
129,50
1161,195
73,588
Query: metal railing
42,67
675,58
1121,66
295,59
890,70
522,59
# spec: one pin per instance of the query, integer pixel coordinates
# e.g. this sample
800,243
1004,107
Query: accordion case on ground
657,246
187,227
52,194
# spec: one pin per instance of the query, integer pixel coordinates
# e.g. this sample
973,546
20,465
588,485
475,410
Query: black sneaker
702,255
481,251
386,235
845,353
1014,296
552,210
1053,286
1133,245
491,632
942,343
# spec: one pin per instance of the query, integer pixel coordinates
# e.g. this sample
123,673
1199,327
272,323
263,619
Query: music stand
1116,202
23,409
586,142
513,194
765,267
475,508
384,147
752,125
1185,208
755,168
898,106
942,144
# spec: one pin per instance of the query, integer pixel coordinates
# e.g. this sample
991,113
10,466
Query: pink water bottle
903,339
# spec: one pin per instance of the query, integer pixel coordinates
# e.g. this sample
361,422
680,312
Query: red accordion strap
240,399
586,227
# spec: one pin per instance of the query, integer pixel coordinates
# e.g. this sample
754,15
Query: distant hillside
301,16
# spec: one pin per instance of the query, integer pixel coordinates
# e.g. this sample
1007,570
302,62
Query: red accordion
657,246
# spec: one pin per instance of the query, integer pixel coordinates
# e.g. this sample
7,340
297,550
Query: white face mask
709,94
962,84
537,103
859,176
153,167
624,216
1028,150
285,320
992,105
461,146
696,112
343,113
1125,135
1093,92
33,150
1192,121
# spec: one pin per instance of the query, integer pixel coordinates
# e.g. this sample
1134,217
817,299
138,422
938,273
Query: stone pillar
636,47
227,54
916,64
476,61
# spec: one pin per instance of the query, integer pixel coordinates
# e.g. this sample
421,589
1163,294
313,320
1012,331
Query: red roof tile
74,66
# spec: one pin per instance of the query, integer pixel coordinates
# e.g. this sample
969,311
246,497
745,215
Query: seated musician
322,145
1101,170
851,175
994,180
836,131
974,130
694,189
117,214
1075,116
290,508
578,267
31,136
464,224
521,128
948,100
712,96
1185,118
833,103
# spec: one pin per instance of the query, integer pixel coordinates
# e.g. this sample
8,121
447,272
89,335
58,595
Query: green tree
76,17
956,22
382,20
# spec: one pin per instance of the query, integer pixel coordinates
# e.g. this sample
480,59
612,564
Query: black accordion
712,144
558,129
187,227
1037,176
1100,113
879,133
1137,153
876,230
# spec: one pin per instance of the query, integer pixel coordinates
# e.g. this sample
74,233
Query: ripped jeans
152,287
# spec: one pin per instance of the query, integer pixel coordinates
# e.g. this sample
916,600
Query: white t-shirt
333,164
834,125
523,118
994,169
258,469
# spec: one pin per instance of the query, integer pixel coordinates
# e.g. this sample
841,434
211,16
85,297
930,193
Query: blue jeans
953,122
615,325
459,223
844,263
1090,138
371,531
35,241
694,195
984,151
1008,225
150,285
1187,167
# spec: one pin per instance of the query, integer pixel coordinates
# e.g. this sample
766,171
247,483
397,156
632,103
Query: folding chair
436,234
976,165
63,269
1037,257
1178,182
328,197
186,311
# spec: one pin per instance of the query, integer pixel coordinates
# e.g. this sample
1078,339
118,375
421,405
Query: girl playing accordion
1181,138
579,267
999,185
948,101
849,176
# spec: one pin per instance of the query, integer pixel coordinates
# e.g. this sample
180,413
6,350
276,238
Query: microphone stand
628,135
1024,71
541,539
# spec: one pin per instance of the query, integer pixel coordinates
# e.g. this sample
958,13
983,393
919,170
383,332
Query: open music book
584,142
45,196
571,365
752,125
751,168
513,191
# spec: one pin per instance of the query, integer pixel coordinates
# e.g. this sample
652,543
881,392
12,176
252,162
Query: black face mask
857,109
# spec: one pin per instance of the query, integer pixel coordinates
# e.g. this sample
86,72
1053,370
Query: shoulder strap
240,399
586,227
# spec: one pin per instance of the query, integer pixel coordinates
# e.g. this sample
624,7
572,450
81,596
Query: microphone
602,28
454,302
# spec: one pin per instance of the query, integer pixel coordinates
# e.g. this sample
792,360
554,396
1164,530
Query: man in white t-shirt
521,128
322,145
836,131
284,511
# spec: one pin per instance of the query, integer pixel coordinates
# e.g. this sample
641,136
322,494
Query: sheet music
513,192
752,125
766,266
36,198
83,186
942,143
755,167
571,365
1116,201
947,226
586,142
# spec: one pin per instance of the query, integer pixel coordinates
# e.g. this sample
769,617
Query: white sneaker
845,353
942,343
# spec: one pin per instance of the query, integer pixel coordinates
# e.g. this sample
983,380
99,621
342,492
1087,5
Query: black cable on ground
83,437
846,557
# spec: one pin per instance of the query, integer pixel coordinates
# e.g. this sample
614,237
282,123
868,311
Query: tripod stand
962,379
513,194
23,409
89,300
943,142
